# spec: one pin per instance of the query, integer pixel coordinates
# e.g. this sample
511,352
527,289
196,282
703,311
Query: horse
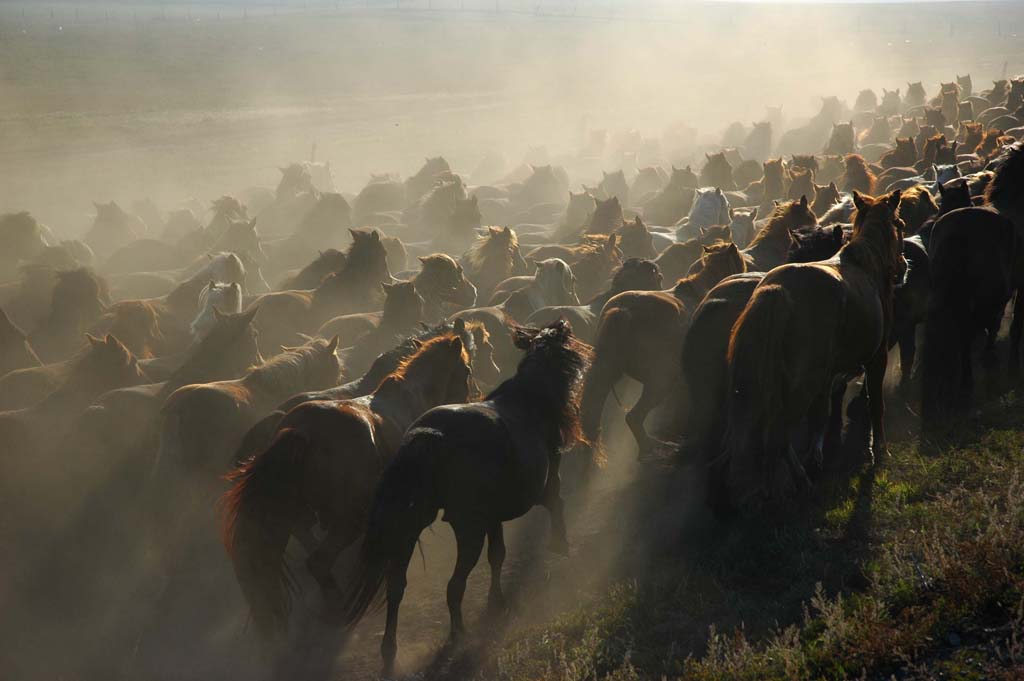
634,274
381,195
673,202
30,433
475,339
492,258
136,324
614,184
215,297
322,465
857,175
607,216
23,240
676,260
639,334
593,261
770,246
367,334
915,96
545,184
758,143
121,424
843,139
484,464
891,103
741,226
79,298
802,184
15,350
710,208
972,255
442,283
112,228
635,240
553,281
825,196
327,262
355,288
648,182
903,155
1004,194
322,227
717,172
806,329
202,424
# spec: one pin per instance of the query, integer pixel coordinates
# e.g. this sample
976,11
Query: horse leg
908,351
339,537
834,433
650,398
470,540
1016,327
395,591
495,558
874,377
559,541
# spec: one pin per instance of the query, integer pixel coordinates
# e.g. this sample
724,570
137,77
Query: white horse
710,208
215,297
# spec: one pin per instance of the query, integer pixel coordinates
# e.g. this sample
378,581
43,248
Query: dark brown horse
78,299
323,465
483,464
806,327
639,336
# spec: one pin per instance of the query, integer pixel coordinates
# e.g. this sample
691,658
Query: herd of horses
411,359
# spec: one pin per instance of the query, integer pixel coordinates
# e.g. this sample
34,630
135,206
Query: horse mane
720,250
862,249
490,245
1006,190
857,170
424,354
548,381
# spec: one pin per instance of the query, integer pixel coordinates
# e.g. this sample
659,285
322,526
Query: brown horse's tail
605,370
259,512
756,390
403,505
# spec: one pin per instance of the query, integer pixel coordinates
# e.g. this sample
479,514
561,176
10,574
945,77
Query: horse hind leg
320,561
559,540
396,581
650,398
495,559
470,540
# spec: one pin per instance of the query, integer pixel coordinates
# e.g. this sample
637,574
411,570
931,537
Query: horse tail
402,506
605,370
756,382
258,513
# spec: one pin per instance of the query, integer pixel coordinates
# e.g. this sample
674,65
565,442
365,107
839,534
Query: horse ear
858,200
803,200
507,231
703,233
93,340
718,190
894,199
753,214
386,287
459,325
332,345
833,187
704,249
494,230
355,233
535,263
837,233
423,259
375,235
609,244
942,190
734,248
455,344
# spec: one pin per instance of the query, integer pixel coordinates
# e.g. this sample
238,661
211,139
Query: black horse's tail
403,505
259,512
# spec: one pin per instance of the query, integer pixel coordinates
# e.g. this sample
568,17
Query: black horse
483,464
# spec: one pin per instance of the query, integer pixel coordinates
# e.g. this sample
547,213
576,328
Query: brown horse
858,175
483,464
355,288
15,351
635,240
903,155
825,196
676,260
136,324
309,277
442,283
33,431
771,245
807,328
639,336
634,274
201,425
323,464
592,260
